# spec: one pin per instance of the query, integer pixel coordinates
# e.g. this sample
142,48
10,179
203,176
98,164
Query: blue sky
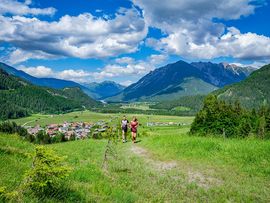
121,40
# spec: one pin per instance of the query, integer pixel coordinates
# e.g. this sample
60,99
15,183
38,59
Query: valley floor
166,165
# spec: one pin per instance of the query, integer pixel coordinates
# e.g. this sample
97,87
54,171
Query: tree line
231,120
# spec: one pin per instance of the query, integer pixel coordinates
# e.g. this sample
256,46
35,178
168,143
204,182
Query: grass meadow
39,119
166,165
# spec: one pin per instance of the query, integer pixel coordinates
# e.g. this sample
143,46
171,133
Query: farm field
166,165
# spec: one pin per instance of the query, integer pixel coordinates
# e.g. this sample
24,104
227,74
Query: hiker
124,125
134,125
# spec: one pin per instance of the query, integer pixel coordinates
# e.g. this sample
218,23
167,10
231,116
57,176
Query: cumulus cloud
167,15
23,8
82,36
39,71
191,29
192,33
125,60
16,56
127,67
156,59
114,70
231,44
68,74
76,75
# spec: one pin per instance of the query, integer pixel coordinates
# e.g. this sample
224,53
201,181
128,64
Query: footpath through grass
167,165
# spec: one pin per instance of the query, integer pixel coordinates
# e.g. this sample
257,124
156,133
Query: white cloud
23,8
68,74
192,33
16,56
190,29
76,75
39,71
168,15
156,59
126,67
231,44
125,60
114,70
82,36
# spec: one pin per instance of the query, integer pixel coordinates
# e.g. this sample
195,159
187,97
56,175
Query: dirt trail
192,176
156,164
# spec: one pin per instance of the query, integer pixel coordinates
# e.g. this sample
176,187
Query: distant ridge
104,89
182,79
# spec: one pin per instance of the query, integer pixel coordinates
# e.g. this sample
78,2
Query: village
78,130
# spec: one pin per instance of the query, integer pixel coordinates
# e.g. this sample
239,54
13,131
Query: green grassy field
93,117
167,165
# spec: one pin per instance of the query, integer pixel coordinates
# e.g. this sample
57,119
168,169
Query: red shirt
134,125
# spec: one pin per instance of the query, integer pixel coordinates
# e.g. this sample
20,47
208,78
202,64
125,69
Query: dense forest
231,120
19,98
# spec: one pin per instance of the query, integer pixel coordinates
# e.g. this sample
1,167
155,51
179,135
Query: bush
42,138
60,137
11,128
47,173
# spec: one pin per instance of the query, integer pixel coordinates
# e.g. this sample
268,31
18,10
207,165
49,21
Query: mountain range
169,82
183,79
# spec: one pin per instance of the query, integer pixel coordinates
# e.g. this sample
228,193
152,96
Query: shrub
47,173
6,196
59,137
12,127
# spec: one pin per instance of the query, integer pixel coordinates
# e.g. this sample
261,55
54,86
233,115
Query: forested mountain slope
252,92
18,98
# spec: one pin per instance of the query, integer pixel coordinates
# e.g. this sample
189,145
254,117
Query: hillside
252,92
182,79
104,89
18,98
